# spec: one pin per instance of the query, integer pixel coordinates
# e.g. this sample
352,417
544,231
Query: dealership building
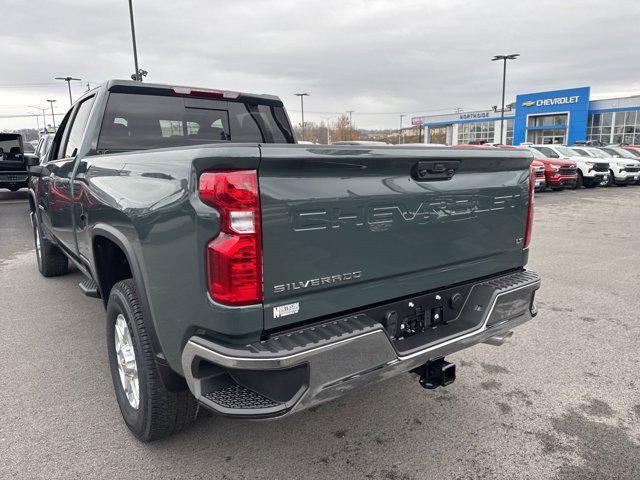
560,116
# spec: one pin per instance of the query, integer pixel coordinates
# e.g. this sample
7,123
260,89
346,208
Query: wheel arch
100,234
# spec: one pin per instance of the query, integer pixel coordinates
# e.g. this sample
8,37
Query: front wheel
579,181
612,179
149,410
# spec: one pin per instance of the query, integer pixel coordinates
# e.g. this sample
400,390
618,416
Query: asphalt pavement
560,400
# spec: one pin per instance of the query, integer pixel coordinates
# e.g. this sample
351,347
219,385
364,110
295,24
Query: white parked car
591,171
620,152
622,171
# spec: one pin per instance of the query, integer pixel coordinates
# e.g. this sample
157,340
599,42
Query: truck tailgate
345,227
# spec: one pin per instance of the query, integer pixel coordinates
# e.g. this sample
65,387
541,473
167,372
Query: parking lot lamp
504,58
68,80
52,114
400,131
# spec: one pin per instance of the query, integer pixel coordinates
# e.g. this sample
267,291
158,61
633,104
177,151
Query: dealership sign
474,115
574,102
548,102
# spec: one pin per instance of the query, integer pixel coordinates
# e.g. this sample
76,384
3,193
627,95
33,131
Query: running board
89,288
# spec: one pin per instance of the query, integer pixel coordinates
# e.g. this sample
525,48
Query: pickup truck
622,171
13,173
254,277
559,173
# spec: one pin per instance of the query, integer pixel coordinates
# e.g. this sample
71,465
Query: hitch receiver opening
438,373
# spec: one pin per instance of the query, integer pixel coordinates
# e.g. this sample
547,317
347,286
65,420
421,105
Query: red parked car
635,149
559,173
539,168
537,165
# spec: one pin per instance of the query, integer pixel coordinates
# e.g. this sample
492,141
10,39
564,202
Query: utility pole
504,58
400,131
302,95
139,72
350,112
68,80
52,114
44,119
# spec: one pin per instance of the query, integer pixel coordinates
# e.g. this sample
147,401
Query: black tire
160,413
51,261
612,179
557,189
579,181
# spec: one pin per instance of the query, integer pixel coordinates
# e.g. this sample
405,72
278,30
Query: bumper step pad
237,397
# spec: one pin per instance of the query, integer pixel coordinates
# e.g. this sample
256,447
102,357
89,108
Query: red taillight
532,186
234,257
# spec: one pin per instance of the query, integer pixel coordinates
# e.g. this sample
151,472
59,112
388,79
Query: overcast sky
378,58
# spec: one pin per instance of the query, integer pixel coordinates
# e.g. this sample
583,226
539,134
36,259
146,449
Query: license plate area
434,316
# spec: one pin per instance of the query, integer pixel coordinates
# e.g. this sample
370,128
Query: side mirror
31,160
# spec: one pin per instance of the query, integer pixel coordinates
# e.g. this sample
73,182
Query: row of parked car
558,167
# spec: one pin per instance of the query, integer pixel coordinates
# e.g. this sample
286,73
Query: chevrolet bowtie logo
528,104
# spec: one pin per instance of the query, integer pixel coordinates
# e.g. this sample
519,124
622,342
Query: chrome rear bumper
295,370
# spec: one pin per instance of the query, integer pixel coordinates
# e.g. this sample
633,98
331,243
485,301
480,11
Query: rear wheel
51,261
149,410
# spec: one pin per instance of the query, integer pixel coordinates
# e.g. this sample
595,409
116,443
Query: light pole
68,80
53,116
302,95
400,131
504,58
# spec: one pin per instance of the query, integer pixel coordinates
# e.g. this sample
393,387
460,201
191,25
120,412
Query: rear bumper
296,370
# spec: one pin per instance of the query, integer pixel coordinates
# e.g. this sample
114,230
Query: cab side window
78,125
60,137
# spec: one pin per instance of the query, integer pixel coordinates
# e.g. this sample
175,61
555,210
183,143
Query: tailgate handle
435,170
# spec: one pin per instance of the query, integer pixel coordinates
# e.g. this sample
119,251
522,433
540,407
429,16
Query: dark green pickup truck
256,277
